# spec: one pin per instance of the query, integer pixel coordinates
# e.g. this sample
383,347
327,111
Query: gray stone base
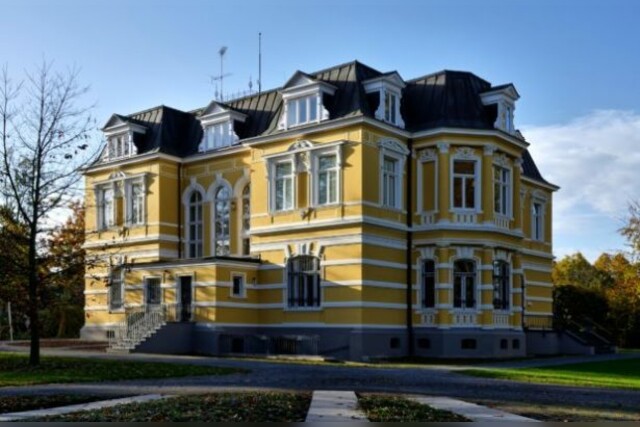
95,332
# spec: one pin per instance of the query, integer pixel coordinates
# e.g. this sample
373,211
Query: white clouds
595,160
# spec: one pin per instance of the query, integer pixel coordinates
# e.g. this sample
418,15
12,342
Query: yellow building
349,213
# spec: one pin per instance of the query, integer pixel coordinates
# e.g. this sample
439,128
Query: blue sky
575,64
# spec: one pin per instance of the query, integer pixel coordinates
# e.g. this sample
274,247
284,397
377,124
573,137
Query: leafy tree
577,270
44,135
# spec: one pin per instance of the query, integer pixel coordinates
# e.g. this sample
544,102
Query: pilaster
444,181
487,183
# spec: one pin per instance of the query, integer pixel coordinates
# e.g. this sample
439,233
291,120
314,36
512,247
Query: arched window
464,284
246,219
303,284
194,220
221,208
429,284
501,285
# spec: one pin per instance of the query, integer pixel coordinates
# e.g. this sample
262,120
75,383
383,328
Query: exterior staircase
139,325
591,334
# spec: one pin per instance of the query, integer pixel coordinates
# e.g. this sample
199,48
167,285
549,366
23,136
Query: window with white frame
303,281
537,221
221,211
116,290
501,289
464,284
136,204
501,190
218,135
106,207
194,224
428,283
246,219
302,110
120,146
237,285
390,181
464,184
327,189
391,107
283,186
153,291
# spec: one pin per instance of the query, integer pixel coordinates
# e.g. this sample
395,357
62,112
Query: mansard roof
443,99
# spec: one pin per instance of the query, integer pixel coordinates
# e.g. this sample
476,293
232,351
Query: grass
15,370
28,403
219,407
383,408
624,374
559,412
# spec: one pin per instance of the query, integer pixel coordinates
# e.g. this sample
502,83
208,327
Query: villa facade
349,213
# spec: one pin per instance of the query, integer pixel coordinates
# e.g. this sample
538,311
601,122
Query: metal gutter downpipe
179,211
409,257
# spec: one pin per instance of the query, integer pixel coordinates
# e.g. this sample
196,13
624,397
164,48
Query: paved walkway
269,375
470,411
333,406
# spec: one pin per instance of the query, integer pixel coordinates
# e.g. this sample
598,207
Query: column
486,287
517,291
444,183
487,183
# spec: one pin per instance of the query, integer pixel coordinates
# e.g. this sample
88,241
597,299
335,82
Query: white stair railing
139,323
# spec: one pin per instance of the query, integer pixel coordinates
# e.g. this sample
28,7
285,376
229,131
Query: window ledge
310,309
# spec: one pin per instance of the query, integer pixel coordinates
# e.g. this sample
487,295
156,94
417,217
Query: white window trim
427,254
543,205
186,196
397,151
335,150
122,288
273,183
315,90
502,162
466,153
124,129
243,289
285,287
144,289
506,258
392,84
478,281
238,189
99,190
211,197
128,197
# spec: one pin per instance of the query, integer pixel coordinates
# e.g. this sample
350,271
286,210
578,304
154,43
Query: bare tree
44,137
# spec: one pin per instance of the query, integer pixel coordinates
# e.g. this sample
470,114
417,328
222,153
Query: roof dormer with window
303,99
121,136
218,126
389,89
504,98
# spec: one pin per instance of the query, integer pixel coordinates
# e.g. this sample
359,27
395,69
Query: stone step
334,406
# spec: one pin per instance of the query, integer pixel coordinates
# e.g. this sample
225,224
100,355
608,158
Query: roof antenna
222,75
259,63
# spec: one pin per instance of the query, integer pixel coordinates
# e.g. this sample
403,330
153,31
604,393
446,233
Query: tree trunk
34,319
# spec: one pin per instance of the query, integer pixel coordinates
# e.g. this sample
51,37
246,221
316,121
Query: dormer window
218,126
120,135
303,98
503,98
388,90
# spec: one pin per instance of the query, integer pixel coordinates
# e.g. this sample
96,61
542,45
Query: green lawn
386,408
15,370
241,407
623,374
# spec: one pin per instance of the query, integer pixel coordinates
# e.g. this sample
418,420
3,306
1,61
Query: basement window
468,344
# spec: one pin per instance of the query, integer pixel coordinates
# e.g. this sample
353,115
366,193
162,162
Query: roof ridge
447,71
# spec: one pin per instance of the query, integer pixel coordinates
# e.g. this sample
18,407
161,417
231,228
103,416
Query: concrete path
473,412
334,406
18,416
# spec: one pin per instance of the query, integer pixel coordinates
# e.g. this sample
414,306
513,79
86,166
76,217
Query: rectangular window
284,186
137,204
303,285
237,289
537,214
327,179
153,291
218,135
390,180
107,205
116,300
302,110
464,184
501,190
390,106
428,284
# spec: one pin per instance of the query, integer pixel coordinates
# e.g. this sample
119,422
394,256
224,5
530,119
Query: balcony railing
501,320
502,221
463,318
465,217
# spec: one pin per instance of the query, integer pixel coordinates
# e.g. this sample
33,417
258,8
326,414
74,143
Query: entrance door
185,298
